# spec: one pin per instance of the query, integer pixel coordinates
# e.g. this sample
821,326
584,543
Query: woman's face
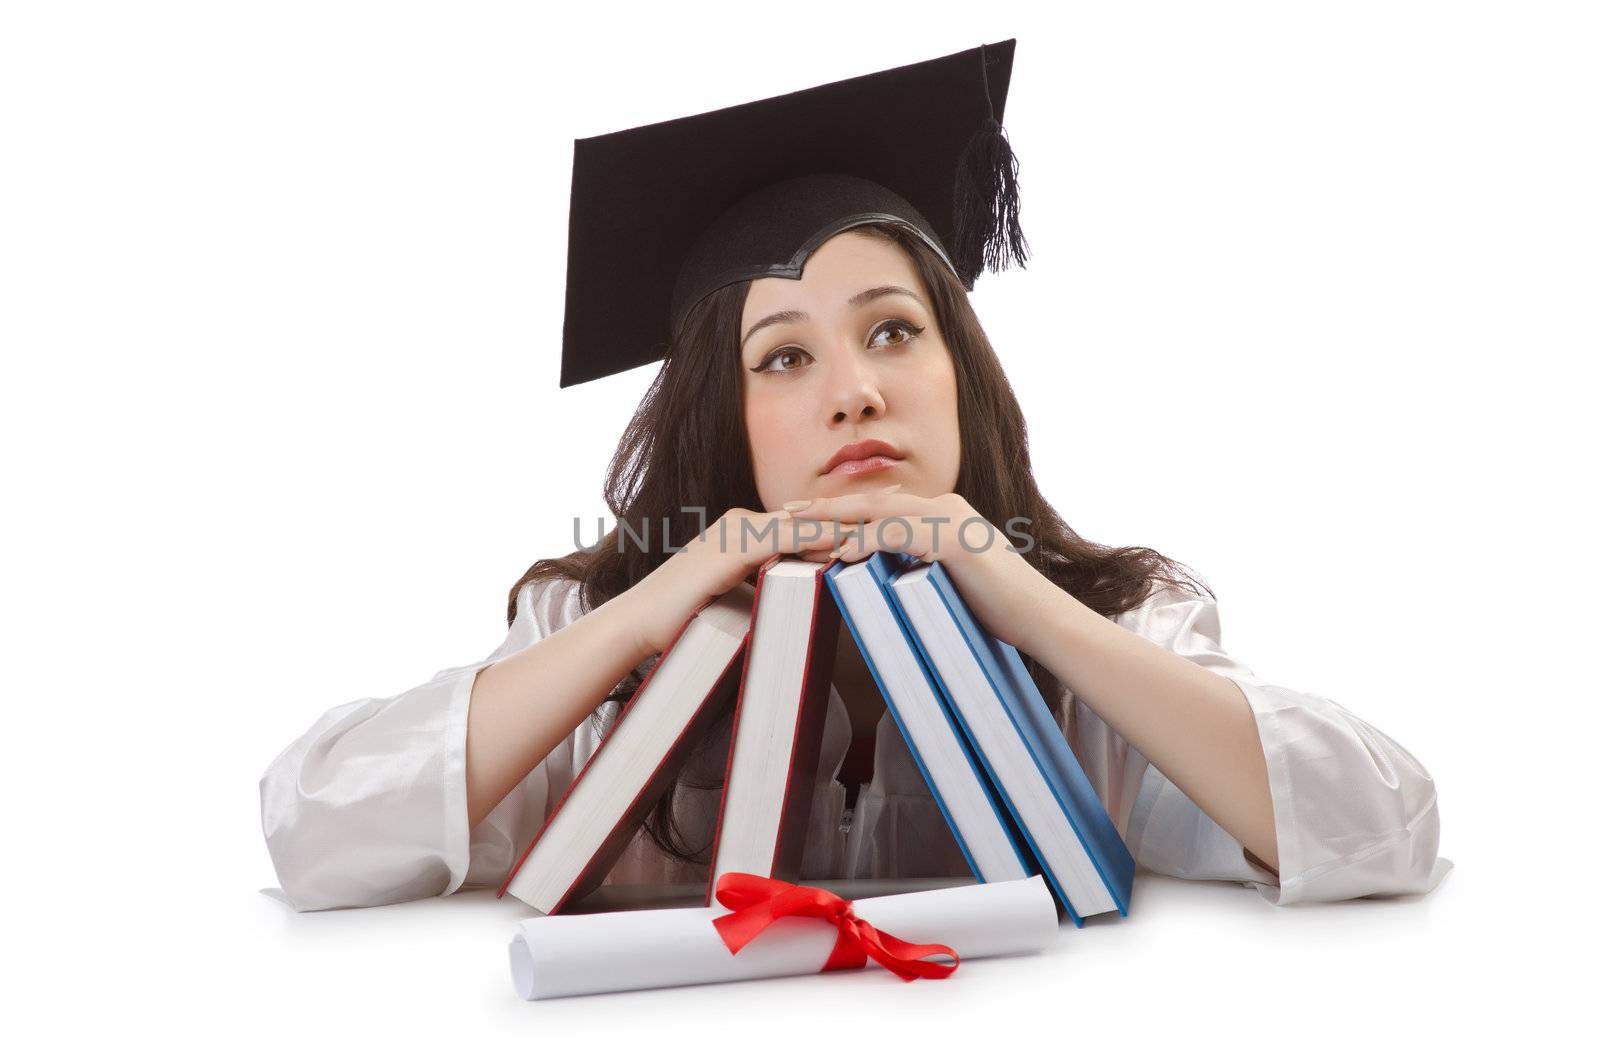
848,353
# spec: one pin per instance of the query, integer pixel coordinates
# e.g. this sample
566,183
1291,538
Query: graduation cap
664,214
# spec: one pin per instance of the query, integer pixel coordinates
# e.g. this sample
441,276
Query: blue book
1005,719
958,782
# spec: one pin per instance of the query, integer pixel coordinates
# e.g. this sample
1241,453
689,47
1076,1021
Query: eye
764,366
909,330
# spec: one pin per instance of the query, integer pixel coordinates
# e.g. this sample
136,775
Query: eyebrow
789,316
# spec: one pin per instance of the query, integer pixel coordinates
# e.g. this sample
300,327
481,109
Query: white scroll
561,956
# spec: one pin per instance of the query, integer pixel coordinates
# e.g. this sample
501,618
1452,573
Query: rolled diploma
593,953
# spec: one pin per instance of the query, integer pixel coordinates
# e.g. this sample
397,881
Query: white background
1312,308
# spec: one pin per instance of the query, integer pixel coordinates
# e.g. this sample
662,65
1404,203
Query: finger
800,505
815,537
801,535
891,534
753,530
822,533
860,507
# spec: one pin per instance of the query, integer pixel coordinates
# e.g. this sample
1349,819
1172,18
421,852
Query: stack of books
997,764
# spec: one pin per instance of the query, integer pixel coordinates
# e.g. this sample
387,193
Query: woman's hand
716,561
1001,588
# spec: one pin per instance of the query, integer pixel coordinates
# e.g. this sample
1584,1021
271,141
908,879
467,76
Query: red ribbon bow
757,901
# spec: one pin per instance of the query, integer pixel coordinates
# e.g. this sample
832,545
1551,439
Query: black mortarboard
664,214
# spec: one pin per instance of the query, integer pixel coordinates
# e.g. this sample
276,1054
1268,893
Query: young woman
855,406
1208,772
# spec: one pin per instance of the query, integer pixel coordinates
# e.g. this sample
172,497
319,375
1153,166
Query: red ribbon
757,901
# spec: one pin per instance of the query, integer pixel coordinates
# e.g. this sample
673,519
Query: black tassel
988,230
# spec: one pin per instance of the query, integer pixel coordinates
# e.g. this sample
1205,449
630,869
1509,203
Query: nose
855,393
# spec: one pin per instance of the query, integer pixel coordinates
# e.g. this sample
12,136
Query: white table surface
1197,966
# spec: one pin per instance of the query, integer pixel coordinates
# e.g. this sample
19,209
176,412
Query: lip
852,468
870,454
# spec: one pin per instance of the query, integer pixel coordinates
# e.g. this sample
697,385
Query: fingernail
795,506
890,489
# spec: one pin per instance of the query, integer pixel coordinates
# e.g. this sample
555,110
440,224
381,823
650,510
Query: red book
695,678
776,743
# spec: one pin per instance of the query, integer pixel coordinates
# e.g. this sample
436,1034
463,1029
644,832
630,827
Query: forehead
844,265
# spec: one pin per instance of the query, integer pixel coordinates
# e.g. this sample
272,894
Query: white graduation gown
369,805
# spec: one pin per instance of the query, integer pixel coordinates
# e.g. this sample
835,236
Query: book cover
617,839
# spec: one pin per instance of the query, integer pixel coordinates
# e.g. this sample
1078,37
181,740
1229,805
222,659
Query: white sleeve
1356,814
369,805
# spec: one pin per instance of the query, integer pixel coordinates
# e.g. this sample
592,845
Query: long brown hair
686,448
